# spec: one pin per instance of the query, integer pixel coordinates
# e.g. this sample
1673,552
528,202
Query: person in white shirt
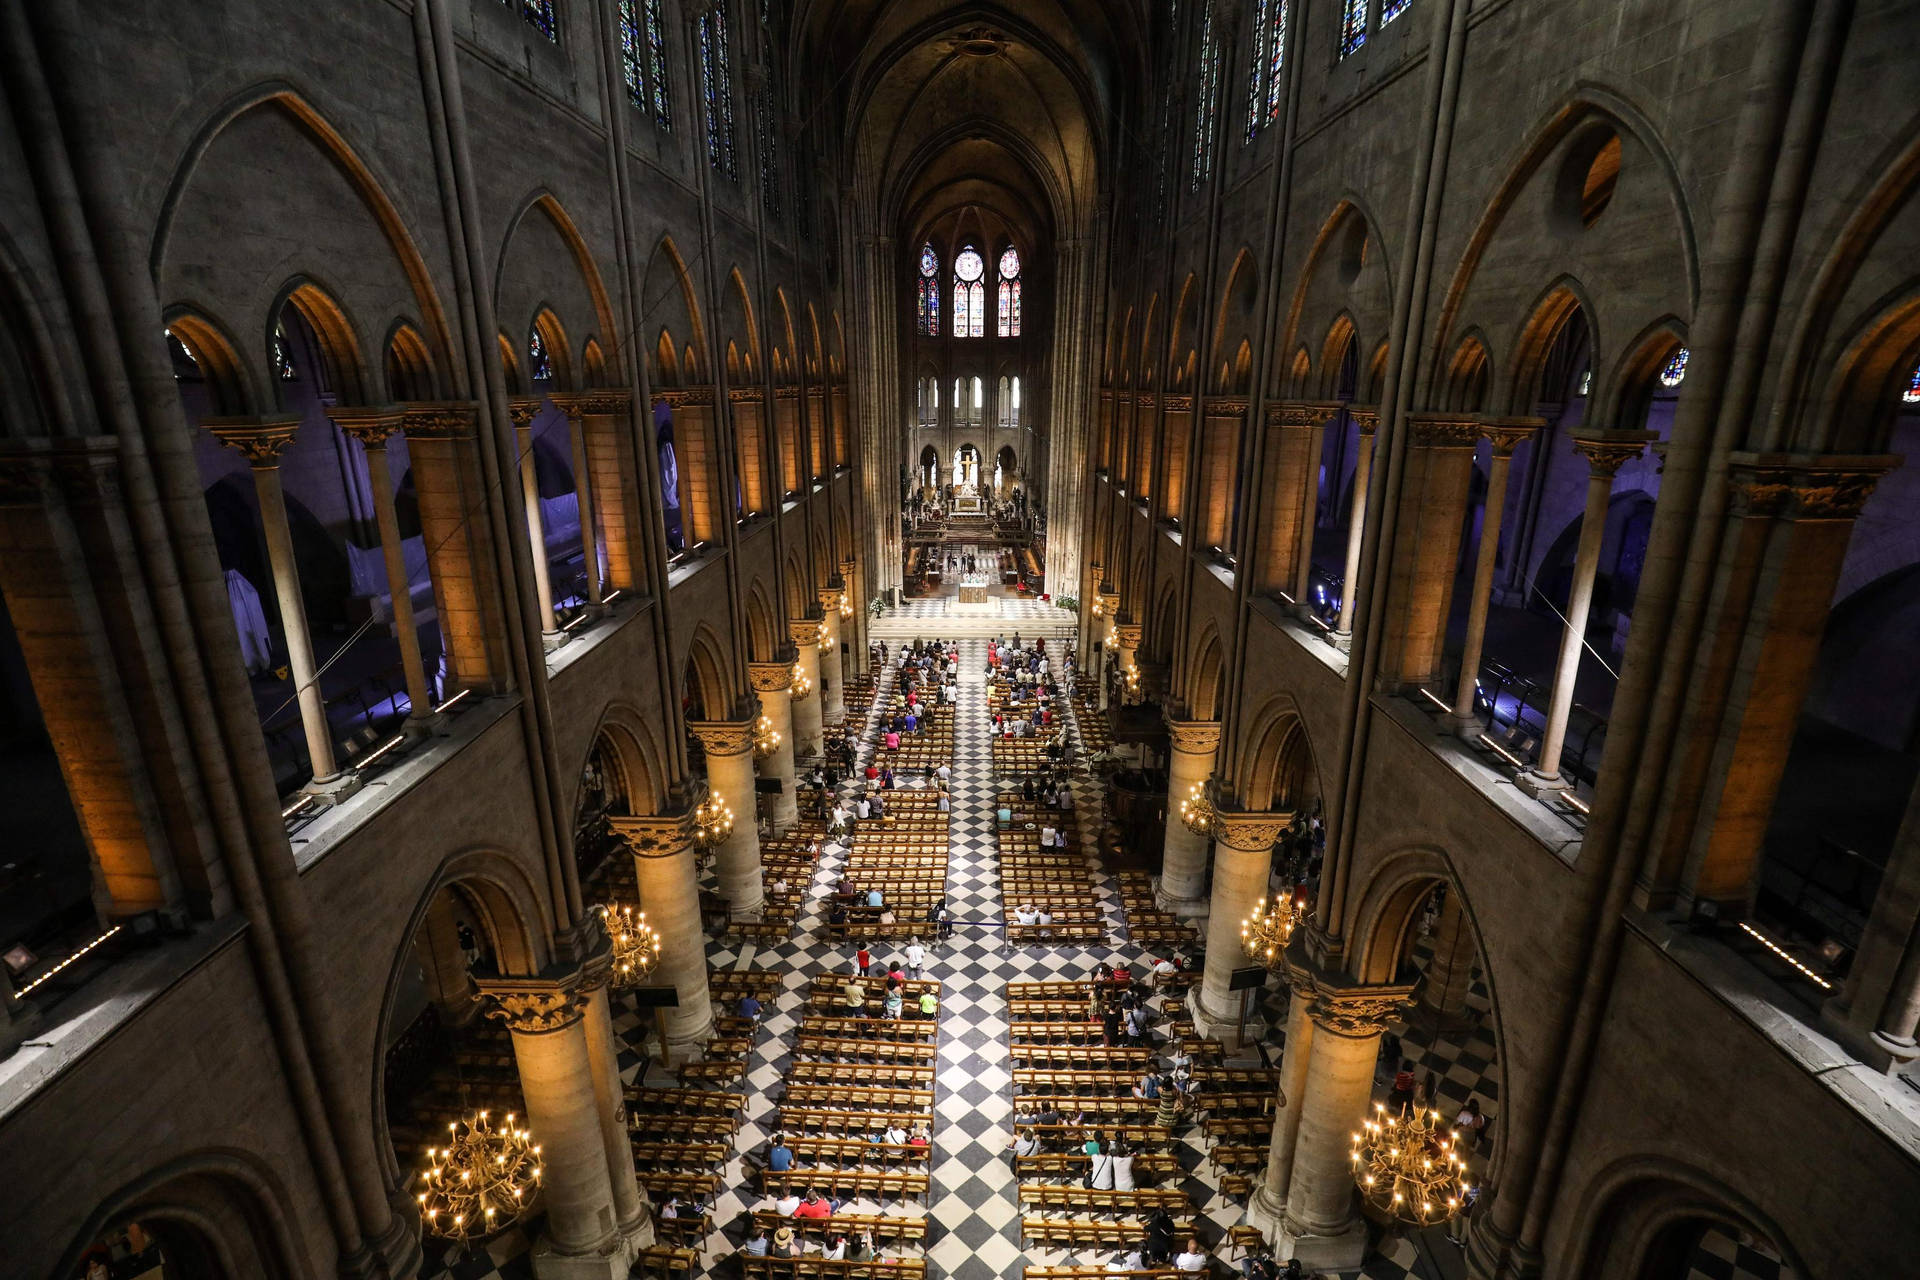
1193,1259
836,1250
1026,1142
896,1136
864,808
1024,914
943,773
916,958
1127,1260
1102,1171
1046,837
779,887
1123,1171
786,1204
1043,917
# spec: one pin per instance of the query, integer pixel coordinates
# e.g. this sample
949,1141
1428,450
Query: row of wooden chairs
1083,1233
857,1152
1078,1199
868,1028
884,1227
874,1184
832,1120
886,1073
757,1267
857,1050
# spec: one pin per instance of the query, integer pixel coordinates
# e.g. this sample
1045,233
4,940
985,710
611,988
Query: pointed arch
228,377
1205,685
549,206
553,337
668,298
333,334
410,373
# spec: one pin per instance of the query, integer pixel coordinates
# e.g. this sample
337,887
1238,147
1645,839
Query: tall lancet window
969,294
1009,326
927,304
716,83
1205,100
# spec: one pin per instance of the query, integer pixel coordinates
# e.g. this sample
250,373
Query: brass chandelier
636,947
766,738
481,1181
712,822
1264,934
1196,811
802,684
1409,1167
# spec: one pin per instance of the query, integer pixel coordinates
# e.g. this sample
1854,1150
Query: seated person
1025,914
780,1156
749,1007
1194,1259
786,1204
813,1206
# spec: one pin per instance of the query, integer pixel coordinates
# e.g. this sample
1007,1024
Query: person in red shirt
813,1206
864,959
1403,1082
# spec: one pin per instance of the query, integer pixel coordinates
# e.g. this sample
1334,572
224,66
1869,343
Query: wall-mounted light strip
296,806
1503,753
1774,947
1579,805
69,960
1429,696
451,701
382,749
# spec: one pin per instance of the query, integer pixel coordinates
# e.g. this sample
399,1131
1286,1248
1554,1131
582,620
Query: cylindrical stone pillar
1322,1226
1243,853
1366,419
669,890
523,411
1126,637
261,441
1506,435
1268,1206
808,731
1606,453
833,693
1450,973
1183,865
736,860
372,427
563,1113
770,681
583,494
630,1214
1309,516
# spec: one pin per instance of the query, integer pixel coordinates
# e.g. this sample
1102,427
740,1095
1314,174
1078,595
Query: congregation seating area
1147,924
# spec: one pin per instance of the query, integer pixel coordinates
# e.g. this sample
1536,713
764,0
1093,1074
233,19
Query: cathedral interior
1315,668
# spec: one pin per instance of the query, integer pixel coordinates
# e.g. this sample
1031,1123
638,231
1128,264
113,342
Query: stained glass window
1912,394
537,358
716,83
657,65
769,131
969,294
283,366
926,315
1586,382
929,261
630,55
1256,69
1009,318
1391,9
1276,57
1204,104
1353,27
1675,370
540,16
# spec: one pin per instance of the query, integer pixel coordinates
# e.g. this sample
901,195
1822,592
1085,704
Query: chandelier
846,605
636,947
1196,811
1133,681
712,822
766,738
1409,1167
1264,935
481,1180
802,684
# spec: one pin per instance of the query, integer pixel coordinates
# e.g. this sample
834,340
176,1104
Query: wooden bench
661,1183
713,1070
1098,1273
681,1155
884,1226
879,1096
1147,1165
817,1268
659,1128
1140,1135
830,1122
874,1183
842,1152
666,1260
1078,1199
1085,1233
671,1101
862,1049
868,1028
884,1073
1059,1055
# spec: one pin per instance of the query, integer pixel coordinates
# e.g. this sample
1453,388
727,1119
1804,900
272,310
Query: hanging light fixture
636,947
481,1181
1196,811
846,605
1264,934
802,684
1409,1167
766,738
712,822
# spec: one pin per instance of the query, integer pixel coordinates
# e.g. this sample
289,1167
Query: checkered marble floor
973,1218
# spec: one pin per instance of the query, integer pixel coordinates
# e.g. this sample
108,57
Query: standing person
929,1004
1403,1085
1159,1227
863,959
916,958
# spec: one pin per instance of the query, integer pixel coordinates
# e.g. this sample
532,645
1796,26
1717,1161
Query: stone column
669,888
1291,428
461,558
630,1215
1606,452
1126,636
1322,1226
854,630
1450,975
1877,1011
523,412
736,860
1367,419
1183,865
1309,511
807,722
563,1112
584,494
771,681
1505,435
449,986
1433,507
261,441
1268,1205
607,425
1220,427
372,428
1242,856
833,693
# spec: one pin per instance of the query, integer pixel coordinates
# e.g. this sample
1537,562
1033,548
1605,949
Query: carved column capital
700,397
1445,430
440,419
1356,1011
371,425
260,441
535,1006
1234,407
805,631
1366,417
1249,830
1127,634
1607,451
1299,414
1805,486
1195,737
1507,433
522,410
723,737
770,677
664,835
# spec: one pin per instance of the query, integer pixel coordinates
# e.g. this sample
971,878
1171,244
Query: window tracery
969,294
1009,313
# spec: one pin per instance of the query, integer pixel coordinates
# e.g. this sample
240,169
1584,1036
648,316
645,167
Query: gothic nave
1323,593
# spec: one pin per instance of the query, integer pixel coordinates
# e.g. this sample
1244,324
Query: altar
973,595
